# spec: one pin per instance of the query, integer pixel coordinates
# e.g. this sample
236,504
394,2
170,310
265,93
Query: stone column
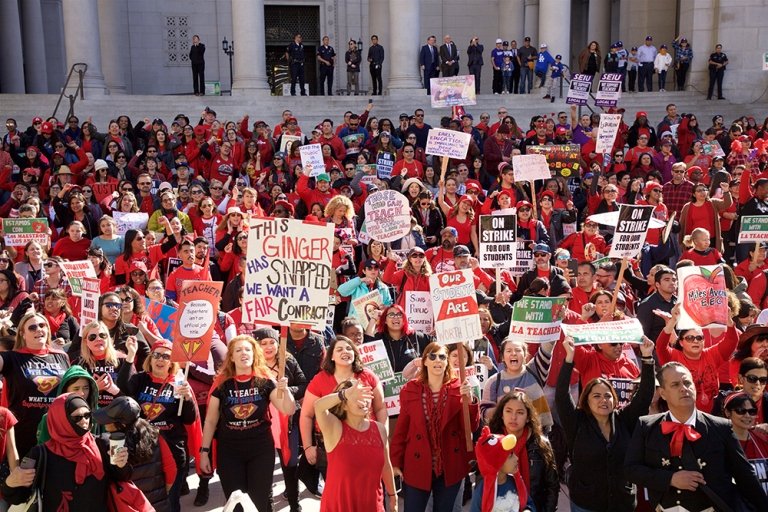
112,27
378,23
11,63
512,20
250,59
33,37
83,43
556,35
531,26
599,24
404,45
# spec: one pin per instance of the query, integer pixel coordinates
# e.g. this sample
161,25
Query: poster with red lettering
454,304
197,313
703,297
287,272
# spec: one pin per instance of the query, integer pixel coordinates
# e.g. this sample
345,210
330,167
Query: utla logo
152,411
39,227
243,411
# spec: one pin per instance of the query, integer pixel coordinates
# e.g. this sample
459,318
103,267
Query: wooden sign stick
619,280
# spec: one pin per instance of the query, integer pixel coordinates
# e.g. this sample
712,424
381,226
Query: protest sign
89,305
621,331
563,159
523,258
286,139
365,304
606,132
353,141
197,314
631,230
452,91
448,143
497,240
363,237
102,190
454,305
312,159
365,169
75,271
288,272
761,465
387,215
538,319
703,297
578,92
392,394
712,149
19,232
418,311
754,228
374,356
625,388
475,375
385,161
164,317
530,167
131,220
608,90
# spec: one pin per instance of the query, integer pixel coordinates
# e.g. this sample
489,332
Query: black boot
202,492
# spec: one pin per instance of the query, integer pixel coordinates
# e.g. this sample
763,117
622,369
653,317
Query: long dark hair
130,236
330,366
13,285
141,439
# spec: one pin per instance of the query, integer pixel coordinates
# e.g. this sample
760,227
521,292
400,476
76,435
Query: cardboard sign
563,159
374,356
498,241
418,311
621,331
131,220
198,312
454,305
385,161
703,296
286,139
452,91
712,149
288,272
538,319
631,230
608,90
164,317
89,305
365,304
606,132
75,271
754,228
530,167
523,259
312,159
578,92
19,232
392,394
448,143
102,190
387,215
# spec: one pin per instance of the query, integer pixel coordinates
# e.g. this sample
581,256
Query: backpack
126,497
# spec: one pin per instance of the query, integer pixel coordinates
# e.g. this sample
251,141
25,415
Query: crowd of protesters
200,181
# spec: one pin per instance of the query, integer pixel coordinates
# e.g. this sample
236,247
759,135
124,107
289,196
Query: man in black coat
197,58
475,60
449,57
688,458
558,285
429,62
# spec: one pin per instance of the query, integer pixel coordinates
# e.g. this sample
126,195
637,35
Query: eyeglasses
87,191
121,157
754,379
5,260
145,183
242,237
155,288
151,151
35,327
418,115
407,151
741,411
77,418
113,305
102,335
217,188
692,337
502,113
611,191
157,356
394,315
434,357
525,209
618,156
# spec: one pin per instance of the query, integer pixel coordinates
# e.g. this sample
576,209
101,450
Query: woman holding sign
461,217
413,277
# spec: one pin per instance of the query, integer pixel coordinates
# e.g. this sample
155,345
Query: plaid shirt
675,196
41,287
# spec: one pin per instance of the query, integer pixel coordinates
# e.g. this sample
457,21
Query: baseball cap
37,119
499,41
323,177
122,409
47,127
650,186
542,248
561,130
527,39
506,43
371,263
543,45
468,115
648,38
415,250
641,113
461,250
404,116
558,57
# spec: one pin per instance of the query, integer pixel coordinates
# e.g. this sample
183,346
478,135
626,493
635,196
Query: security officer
294,54
326,55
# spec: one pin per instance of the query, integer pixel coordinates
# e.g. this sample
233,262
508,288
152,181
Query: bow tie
679,432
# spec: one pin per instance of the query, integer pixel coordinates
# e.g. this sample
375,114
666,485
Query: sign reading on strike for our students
448,143
606,132
523,258
754,228
578,92
374,356
288,272
19,232
89,310
198,311
454,305
387,215
631,230
530,167
621,331
761,465
385,161
498,246
538,319
312,159
608,90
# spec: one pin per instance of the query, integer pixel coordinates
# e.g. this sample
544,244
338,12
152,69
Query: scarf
56,321
434,415
523,466
34,351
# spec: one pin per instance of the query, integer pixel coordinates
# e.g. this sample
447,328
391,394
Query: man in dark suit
429,62
688,458
449,57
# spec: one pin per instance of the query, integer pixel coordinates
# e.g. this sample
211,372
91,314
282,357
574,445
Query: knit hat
266,332
492,451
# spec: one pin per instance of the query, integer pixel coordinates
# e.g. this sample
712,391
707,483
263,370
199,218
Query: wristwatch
205,450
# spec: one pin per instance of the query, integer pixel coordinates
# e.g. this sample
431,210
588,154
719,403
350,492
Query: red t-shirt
324,383
181,274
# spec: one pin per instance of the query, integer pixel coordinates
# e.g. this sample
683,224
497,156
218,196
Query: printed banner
89,305
365,305
608,90
198,312
530,167
578,92
754,228
497,237
288,272
703,297
75,271
621,331
563,159
164,317
538,319
385,161
418,311
387,215
631,230
523,259
448,143
374,356
452,91
19,232
126,221
606,132
454,305
312,159
392,394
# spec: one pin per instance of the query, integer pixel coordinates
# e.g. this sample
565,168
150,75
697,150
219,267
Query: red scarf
56,321
680,432
434,416
522,462
35,351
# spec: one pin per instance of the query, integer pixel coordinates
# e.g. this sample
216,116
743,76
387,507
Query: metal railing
80,68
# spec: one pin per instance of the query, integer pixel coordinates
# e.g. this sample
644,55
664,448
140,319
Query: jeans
526,80
352,79
443,497
507,83
662,79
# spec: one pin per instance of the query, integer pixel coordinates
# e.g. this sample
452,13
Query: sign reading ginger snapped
195,319
454,305
287,272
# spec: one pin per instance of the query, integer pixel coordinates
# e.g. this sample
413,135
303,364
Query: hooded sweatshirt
71,375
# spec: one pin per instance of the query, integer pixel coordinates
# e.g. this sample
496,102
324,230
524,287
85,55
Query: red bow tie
679,432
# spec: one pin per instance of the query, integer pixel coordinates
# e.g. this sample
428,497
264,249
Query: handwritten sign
538,319
197,314
75,271
621,331
288,272
164,317
364,306
452,91
19,232
625,388
608,90
498,240
387,215
448,143
530,167
703,296
102,190
286,139
89,305
131,220
418,311
578,92
312,159
631,230
374,356
454,305
606,132
392,394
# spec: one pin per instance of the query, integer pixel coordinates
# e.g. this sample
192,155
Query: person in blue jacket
360,286
543,67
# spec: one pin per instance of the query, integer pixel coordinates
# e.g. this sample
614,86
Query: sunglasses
541,255
691,337
195,192
754,379
217,188
741,411
435,356
526,209
5,260
158,356
417,256
77,418
102,335
113,305
50,264
35,327
242,237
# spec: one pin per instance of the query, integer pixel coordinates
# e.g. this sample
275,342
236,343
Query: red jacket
410,449
311,196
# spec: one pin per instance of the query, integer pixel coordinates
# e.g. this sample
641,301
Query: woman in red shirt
702,212
461,217
74,247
